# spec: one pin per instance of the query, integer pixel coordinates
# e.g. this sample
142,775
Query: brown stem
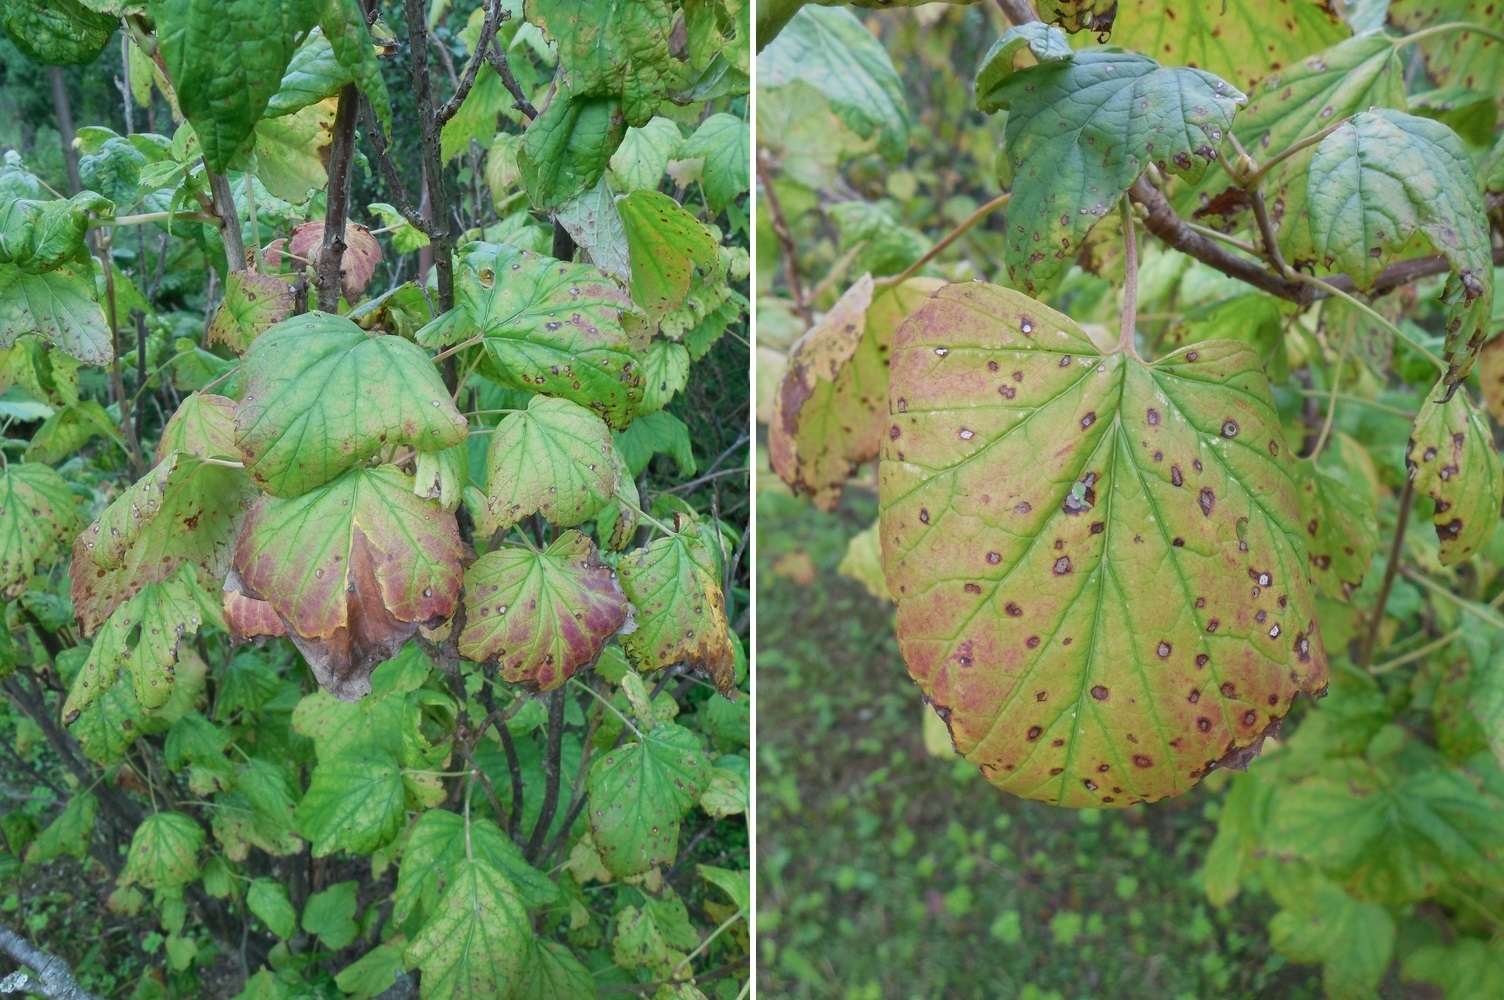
497,57
430,130
54,979
514,767
65,126
961,230
229,219
117,383
495,16
1018,11
1371,641
552,757
329,265
785,240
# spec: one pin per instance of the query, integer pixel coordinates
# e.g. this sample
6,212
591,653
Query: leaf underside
1099,567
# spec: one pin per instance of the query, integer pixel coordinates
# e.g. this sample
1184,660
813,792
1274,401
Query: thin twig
785,241
495,15
948,239
329,264
497,57
1407,497
552,758
54,979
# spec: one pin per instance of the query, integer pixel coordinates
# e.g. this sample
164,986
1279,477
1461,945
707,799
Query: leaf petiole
1332,289
600,698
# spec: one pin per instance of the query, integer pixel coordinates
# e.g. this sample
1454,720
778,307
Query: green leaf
665,373
733,883
69,834
639,792
617,50
1080,132
203,426
373,973
593,222
654,937
674,584
226,59
1453,460
267,899
1486,699
1384,176
541,616
1352,939
640,161
322,395
37,515
1468,968
1466,57
163,852
1077,641
1342,528
831,406
554,458
330,915
58,32
552,327
723,141
665,245
184,511
354,803
435,848
344,24
406,237
476,944
553,973
312,75
566,148
69,429
831,50
659,433
60,307
253,304
1042,42
352,568
1234,39
39,236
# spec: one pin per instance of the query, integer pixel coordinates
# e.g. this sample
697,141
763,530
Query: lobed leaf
163,852
1466,58
58,32
37,515
554,458
1453,460
1100,572
253,304
354,802
57,305
541,616
665,244
475,947
674,586
435,848
567,148
614,50
639,792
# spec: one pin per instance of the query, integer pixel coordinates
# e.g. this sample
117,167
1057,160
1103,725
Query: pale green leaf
57,305
354,803
639,792
475,947
674,584
433,851
69,834
665,244
640,161
37,515
555,458
163,852
724,142
594,224
267,899
665,373
1453,460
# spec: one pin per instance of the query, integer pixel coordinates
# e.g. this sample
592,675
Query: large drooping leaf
541,616
163,852
1239,40
290,154
1079,133
665,244
639,792
552,327
37,515
566,148
616,49
675,586
322,395
831,50
39,236
1383,177
253,304
1341,524
1466,58
352,568
57,305
57,32
1453,460
555,458
185,511
475,946
1099,564
226,59
354,803
434,848
831,407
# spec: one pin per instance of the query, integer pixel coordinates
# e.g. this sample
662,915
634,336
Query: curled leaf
1453,460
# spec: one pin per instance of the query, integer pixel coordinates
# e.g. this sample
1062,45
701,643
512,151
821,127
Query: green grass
884,871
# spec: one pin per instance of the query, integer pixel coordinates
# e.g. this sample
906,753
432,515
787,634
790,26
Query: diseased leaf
475,947
674,584
358,263
226,59
37,516
665,373
203,426
290,153
541,616
57,32
665,244
57,305
1079,133
831,405
831,50
434,849
566,148
354,803
185,511
1468,58
69,429
552,327
163,852
253,304
1384,176
640,161
1099,565
39,236
594,224
612,50
1453,460
322,395
654,937
555,458
69,834
1341,525
352,568
639,792
1035,37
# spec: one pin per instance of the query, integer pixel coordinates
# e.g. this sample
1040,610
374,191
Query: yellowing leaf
639,792
674,584
1453,460
354,803
476,945
1341,525
163,852
322,395
616,49
555,458
37,515
665,245
352,568
1101,580
253,303
542,616
57,305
